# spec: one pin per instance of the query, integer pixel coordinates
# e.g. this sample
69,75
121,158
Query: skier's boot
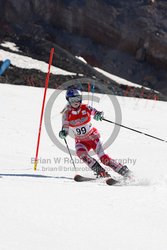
104,174
124,171
99,171
120,169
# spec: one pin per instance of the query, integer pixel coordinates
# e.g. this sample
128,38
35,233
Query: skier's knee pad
81,152
105,159
85,157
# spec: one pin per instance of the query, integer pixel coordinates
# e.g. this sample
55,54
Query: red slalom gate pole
43,105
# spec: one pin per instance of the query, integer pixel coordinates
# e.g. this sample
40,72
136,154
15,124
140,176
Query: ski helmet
73,95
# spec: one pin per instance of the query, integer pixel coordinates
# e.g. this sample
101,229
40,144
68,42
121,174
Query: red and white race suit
86,136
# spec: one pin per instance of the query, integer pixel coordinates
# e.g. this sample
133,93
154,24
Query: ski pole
70,154
89,88
92,90
157,138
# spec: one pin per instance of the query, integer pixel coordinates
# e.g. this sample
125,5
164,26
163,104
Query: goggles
75,99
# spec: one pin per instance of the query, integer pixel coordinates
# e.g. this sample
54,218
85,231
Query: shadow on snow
36,176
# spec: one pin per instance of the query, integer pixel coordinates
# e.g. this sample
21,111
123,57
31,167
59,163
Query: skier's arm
65,126
98,115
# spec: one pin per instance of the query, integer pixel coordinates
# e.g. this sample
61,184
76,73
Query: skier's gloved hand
62,134
98,116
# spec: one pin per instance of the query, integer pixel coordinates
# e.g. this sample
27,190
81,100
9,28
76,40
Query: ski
124,181
80,178
109,181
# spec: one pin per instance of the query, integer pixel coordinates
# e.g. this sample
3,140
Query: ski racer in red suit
77,116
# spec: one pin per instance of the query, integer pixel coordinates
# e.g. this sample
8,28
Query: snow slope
26,62
46,209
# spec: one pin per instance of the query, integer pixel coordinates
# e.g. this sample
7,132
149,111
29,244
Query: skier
77,116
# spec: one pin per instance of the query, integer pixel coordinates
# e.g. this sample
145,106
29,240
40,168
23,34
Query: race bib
82,130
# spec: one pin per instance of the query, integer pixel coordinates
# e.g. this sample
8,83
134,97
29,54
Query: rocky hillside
125,38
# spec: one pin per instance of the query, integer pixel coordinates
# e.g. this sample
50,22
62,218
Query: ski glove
62,134
98,116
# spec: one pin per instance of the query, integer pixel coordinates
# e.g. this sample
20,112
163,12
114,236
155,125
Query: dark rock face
126,38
